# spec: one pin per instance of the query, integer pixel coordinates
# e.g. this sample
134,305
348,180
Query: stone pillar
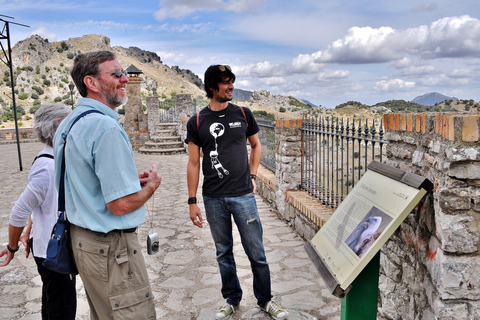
152,114
288,160
184,110
135,123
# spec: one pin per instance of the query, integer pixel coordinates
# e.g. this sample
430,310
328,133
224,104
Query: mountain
241,95
41,71
432,98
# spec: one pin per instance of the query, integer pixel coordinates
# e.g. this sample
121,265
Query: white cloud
419,71
273,81
45,34
393,85
403,63
182,8
460,73
446,37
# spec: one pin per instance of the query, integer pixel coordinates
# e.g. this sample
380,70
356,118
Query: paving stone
184,274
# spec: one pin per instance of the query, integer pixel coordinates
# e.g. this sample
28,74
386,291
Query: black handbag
59,251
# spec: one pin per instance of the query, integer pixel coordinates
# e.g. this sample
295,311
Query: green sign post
360,303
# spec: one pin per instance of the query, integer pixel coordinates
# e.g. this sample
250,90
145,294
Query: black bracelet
253,176
12,250
192,200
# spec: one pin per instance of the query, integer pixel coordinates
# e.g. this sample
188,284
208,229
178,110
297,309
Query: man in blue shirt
104,195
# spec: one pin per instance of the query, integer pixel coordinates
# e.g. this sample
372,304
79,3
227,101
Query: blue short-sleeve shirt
99,168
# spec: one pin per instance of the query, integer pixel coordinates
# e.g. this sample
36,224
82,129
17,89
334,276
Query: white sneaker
275,311
226,311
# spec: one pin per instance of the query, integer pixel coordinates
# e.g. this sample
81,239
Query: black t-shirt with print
223,136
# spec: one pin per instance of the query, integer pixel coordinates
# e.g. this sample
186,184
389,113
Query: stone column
184,109
288,160
135,120
152,114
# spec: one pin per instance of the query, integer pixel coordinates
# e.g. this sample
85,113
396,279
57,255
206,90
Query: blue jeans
245,214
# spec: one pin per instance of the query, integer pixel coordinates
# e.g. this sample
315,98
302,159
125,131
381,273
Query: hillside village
41,70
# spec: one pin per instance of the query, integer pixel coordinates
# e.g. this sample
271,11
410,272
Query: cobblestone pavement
184,274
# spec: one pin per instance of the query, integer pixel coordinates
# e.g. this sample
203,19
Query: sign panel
362,223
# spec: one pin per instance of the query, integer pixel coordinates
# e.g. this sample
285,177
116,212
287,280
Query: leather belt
124,230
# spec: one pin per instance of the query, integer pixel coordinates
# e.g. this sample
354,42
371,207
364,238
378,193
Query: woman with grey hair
39,201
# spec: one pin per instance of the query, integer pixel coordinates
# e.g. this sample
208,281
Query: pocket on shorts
92,258
136,304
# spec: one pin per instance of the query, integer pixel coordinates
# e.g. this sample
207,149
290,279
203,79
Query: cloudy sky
327,52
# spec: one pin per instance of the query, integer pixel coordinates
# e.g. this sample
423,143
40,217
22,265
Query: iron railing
167,111
335,155
267,140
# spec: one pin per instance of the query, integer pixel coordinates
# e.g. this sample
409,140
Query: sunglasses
224,68
118,73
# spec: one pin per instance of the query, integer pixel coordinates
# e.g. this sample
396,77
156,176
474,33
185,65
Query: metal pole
13,95
71,86
360,303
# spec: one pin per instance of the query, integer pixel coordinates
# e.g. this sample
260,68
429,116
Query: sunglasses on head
224,68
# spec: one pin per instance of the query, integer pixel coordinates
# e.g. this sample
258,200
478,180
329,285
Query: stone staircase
164,141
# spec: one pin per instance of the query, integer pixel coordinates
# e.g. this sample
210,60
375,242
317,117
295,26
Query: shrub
34,95
46,82
282,109
57,99
23,96
38,90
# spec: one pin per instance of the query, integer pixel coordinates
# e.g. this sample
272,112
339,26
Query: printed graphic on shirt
237,124
217,130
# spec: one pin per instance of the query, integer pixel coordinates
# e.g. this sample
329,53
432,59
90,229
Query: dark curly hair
214,75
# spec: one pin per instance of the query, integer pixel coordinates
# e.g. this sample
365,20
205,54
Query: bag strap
61,188
41,156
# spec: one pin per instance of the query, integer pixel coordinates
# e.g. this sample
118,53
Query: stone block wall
430,268
135,124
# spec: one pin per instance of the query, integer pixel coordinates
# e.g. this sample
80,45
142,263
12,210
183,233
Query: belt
124,230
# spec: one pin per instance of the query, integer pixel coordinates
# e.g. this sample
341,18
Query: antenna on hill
5,35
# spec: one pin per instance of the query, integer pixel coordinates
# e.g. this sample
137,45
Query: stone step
166,125
163,145
162,151
165,139
166,133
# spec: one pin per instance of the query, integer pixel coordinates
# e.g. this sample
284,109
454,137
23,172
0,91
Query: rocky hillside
41,70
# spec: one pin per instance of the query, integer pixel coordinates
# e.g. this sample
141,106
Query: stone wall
430,268
153,114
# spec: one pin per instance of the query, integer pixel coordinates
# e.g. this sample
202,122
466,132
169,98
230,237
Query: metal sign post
5,35
360,303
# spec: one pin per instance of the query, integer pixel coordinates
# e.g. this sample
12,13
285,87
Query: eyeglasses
224,68
118,73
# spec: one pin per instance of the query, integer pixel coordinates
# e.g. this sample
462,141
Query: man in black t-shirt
221,129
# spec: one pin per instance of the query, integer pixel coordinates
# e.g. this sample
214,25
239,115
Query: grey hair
47,118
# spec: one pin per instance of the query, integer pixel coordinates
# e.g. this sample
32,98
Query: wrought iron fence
167,111
336,155
267,140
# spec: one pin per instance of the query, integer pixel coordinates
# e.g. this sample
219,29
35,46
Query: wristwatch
12,250
192,200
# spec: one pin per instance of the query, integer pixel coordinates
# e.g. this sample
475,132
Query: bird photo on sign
367,231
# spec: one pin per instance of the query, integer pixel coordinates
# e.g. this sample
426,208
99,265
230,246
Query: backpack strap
243,111
41,156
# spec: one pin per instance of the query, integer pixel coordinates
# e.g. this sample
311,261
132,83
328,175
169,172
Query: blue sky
327,52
